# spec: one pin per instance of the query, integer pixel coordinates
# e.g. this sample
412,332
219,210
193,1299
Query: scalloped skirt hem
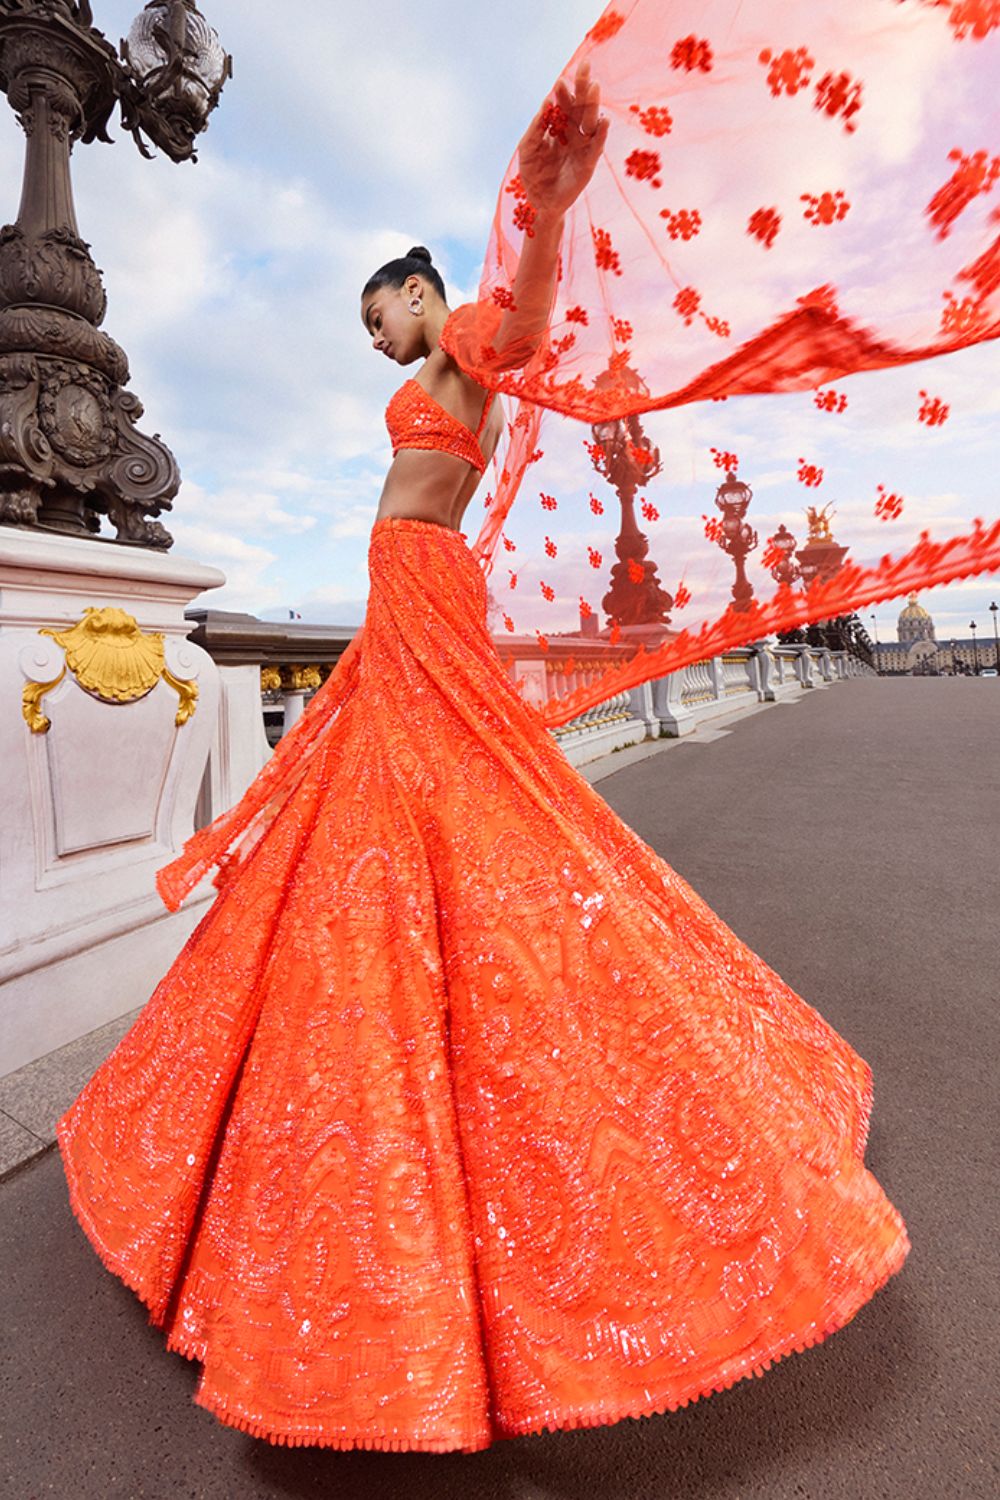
567,1419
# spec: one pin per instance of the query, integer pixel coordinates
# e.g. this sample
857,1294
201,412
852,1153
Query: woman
460,1115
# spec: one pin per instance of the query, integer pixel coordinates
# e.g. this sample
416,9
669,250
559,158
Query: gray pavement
851,839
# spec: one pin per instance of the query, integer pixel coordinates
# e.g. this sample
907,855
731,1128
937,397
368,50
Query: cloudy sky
346,134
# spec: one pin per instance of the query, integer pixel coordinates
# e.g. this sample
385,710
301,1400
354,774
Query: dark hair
416,262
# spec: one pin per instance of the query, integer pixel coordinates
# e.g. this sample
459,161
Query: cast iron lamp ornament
623,456
69,448
736,536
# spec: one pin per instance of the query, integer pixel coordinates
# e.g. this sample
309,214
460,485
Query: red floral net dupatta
790,195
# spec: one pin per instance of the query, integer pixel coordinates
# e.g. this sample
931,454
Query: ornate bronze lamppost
636,601
736,536
975,644
821,557
69,447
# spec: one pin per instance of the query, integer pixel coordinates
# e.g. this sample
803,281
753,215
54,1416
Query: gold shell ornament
114,660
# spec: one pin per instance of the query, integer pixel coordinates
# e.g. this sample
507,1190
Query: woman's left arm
553,173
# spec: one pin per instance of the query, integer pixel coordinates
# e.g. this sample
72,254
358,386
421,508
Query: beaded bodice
416,420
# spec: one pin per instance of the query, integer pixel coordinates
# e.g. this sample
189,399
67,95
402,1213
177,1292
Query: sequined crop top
416,420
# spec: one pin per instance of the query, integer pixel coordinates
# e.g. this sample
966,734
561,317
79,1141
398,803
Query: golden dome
913,610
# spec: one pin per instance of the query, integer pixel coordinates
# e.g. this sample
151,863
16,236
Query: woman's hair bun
419,252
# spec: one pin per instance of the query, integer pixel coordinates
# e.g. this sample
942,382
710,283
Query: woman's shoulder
448,383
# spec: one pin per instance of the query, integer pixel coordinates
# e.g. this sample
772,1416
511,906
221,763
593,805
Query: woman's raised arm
556,159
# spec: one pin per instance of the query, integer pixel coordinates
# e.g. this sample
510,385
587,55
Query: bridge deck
851,839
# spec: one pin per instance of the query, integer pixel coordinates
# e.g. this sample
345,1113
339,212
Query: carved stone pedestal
107,716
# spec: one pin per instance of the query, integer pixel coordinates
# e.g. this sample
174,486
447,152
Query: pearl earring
416,306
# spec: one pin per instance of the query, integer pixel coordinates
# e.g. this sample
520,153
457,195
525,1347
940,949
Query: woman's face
394,329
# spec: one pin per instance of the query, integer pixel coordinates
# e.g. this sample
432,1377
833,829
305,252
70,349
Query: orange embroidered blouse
416,420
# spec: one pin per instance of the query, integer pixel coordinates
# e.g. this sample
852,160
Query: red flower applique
597,454
975,18
533,458
585,609
839,94
722,459
687,303
615,633
508,544
645,166
636,571
640,456
649,511
542,640
822,297
764,224
789,71
623,330
692,52
549,502
772,556
974,174
504,297
713,528
547,592
830,401
513,579
555,121
508,623
596,506
933,410
682,596
888,507
809,475
604,253
984,273
656,120
960,318
550,547
682,225
593,557
577,315
608,26
827,208
524,218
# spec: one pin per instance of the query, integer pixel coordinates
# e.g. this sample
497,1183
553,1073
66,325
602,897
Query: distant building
918,652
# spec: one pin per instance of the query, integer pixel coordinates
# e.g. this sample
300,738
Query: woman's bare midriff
426,485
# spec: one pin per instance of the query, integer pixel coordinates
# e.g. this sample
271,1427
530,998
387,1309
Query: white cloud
344,136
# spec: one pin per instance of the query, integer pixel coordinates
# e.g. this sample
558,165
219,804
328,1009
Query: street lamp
878,648
636,602
996,637
975,646
70,449
735,535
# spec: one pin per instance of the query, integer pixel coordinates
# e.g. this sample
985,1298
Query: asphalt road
852,840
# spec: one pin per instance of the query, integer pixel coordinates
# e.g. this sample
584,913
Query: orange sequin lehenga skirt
460,1115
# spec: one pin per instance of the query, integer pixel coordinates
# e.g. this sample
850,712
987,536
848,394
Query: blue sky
345,135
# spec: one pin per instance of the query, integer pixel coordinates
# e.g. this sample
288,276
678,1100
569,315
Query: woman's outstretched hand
559,150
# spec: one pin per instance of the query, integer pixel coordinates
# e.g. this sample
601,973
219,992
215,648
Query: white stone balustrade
109,714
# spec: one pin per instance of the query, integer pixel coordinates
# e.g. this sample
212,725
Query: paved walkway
851,838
